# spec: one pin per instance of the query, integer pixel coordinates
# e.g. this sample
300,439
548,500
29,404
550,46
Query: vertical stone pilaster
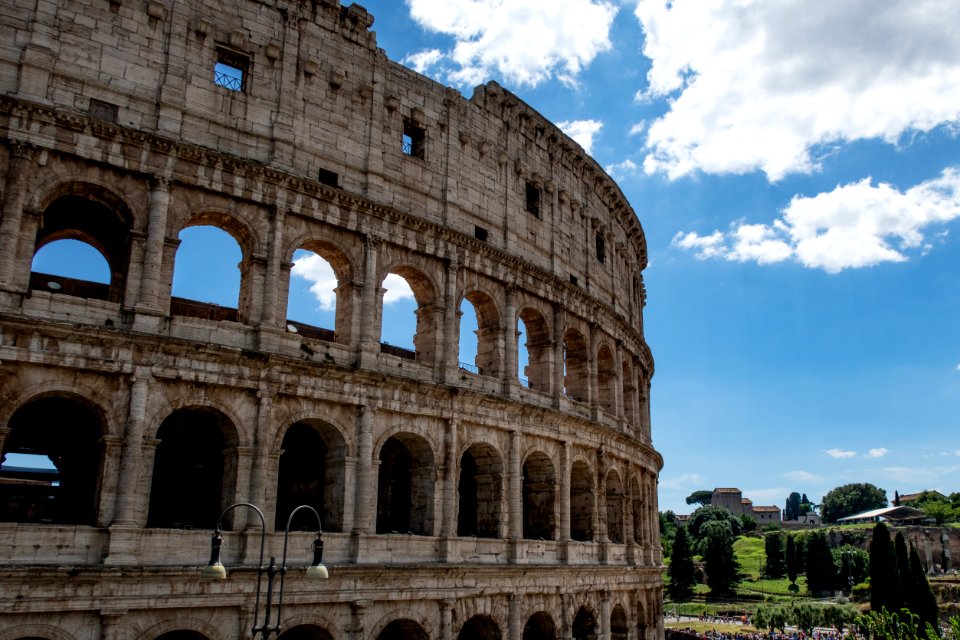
515,516
446,619
149,295
509,341
271,316
111,470
604,615
593,395
357,611
514,622
618,385
558,361
449,355
364,496
131,457
21,169
368,347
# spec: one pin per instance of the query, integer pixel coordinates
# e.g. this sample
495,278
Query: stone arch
480,492
539,497
46,631
576,365
235,436
196,626
12,398
312,471
246,238
426,346
305,632
618,623
345,271
97,216
488,361
540,626
538,344
614,507
310,618
606,379
479,627
396,628
194,469
67,429
405,487
584,626
582,502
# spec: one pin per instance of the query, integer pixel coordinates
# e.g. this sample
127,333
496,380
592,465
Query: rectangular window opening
102,110
480,233
574,280
601,248
414,139
230,71
533,199
329,178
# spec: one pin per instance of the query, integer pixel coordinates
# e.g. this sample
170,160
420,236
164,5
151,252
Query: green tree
748,524
850,499
820,569
701,497
903,569
790,560
791,510
941,511
884,578
806,616
919,596
681,572
839,616
718,557
773,548
770,617
706,514
805,505
853,562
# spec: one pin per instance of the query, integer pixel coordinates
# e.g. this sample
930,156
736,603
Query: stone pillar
629,532
564,519
349,480
558,363
261,462
604,615
132,451
446,619
108,489
270,317
514,622
149,298
112,626
654,515
515,515
593,397
600,501
357,609
369,347
448,527
510,382
364,497
20,170
618,385
449,354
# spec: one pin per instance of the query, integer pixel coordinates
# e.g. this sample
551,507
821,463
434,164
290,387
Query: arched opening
636,511
629,389
540,627
533,350
319,301
479,313
606,380
581,502
576,366
207,275
408,292
193,474
76,236
614,508
584,625
51,465
182,634
306,632
406,486
539,486
480,490
479,628
311,472
404,629
618,623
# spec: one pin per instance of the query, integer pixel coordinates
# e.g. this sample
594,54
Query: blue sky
796,169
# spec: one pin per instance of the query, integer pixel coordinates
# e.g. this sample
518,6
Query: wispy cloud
682,482
775,495
526,42
855,225
917,476
840,454
879,452
802,476
622,169
582,131
763,85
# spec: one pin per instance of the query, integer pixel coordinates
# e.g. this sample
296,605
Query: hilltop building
458,499
733,501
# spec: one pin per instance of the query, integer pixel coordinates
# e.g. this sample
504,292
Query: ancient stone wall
457,498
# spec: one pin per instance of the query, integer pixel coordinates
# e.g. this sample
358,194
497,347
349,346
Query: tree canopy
707,514
820,569
723,572
701,497
681,572
852,498
792,508
773,547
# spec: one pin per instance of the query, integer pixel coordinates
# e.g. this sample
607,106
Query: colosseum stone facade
458,500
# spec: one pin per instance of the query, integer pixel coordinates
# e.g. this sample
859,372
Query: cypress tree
793,567
820,569
773,547
884,576
903,570
920,598
718,556
681,570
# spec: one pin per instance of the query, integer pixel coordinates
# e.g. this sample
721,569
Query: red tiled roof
726,490
767,509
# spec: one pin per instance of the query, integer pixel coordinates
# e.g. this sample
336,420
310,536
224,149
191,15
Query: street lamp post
215,570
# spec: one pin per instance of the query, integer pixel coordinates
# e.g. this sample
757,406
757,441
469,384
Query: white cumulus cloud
321,277
582,131
422,61
855,225
879,452
523,41
397,289
840,454
760,85
622,169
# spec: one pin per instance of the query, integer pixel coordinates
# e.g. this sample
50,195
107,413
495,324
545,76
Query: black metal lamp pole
216,571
